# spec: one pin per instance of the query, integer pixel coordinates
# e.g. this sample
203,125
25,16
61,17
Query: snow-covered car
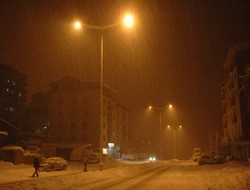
53,164
196,157
33,149
93,158
220,159
196,154
207,159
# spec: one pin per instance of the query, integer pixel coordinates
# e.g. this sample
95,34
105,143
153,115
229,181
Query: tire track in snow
142,179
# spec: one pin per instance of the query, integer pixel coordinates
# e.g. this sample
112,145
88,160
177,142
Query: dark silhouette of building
12,98
8,133
236,102
36,116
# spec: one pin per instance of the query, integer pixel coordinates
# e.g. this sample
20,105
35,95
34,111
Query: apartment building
236,102
75,115
122,132
12,99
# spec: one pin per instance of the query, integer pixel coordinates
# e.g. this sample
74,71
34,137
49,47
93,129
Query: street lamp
77,25
160,109
175,127
127,21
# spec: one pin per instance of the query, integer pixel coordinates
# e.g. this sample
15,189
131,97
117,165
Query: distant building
36,116
236,102
75,115
122,130
12,96
8,133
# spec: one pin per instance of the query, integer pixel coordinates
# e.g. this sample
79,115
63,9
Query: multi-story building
75,113
122,130
236,102
12,96
36,116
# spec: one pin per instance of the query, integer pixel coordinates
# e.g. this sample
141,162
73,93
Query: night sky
174,54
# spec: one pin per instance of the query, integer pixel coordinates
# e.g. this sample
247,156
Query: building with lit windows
12,97
236,102
75,114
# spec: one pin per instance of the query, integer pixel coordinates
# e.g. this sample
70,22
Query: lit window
12,109
20,94
7,90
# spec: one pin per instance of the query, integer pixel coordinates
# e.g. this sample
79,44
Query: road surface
171,175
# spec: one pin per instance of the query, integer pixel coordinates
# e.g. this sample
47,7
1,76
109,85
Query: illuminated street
147,94
172,175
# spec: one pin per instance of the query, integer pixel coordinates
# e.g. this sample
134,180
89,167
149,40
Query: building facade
36,116
75,114
236,102
122,130
12,99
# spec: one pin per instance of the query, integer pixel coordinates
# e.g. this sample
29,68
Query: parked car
220,159
196,154
33,150
93,158
196,157
53,164
207,159
129,157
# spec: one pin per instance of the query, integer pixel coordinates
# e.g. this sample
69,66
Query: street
172,174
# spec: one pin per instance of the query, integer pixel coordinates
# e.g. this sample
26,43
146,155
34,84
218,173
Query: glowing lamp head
128,20
77,25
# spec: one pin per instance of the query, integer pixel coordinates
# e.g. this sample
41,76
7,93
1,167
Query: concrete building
12,99
236,102
36,116
122,130
75,115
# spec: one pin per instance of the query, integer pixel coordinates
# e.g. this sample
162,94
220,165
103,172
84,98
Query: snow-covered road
172,174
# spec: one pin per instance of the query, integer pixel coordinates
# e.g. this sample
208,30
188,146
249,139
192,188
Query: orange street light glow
77,25
128,20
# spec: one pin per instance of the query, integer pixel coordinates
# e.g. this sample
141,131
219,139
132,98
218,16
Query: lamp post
174,127
128,21
160,109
